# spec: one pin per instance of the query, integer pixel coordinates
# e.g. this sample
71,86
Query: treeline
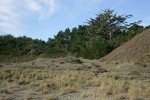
95,39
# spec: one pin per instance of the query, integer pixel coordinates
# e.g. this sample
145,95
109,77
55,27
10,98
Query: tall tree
108,24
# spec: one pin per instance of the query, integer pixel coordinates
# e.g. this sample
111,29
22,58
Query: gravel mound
132,50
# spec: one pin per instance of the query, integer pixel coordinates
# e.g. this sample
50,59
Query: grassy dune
47,82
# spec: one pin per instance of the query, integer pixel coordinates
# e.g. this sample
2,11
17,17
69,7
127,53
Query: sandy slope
133,49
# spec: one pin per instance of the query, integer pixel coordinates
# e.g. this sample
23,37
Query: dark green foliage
108,24
147,27
18,46
102,34
99,37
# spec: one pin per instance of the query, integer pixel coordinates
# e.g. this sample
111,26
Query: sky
42,19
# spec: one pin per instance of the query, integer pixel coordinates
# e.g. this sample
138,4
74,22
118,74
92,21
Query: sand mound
133,49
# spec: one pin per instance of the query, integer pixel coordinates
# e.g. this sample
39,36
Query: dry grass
134,89
138,89
4,90
28,95
11,58
4,97
47,81
50,97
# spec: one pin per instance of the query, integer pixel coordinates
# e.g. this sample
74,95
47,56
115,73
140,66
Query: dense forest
95,39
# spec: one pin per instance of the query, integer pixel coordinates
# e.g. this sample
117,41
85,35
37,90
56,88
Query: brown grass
134,89
28,95
12,59
47,81
51,97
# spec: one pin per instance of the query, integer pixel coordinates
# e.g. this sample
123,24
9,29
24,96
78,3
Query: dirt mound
132,50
